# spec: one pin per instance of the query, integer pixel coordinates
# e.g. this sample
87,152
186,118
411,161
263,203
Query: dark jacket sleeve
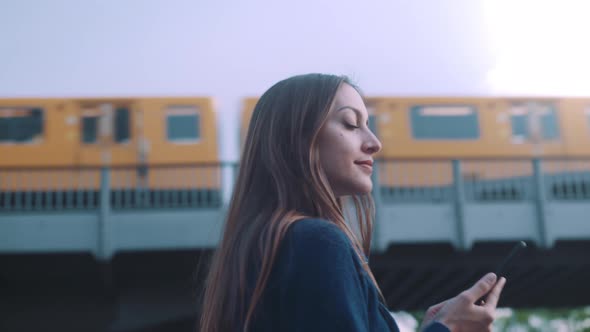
325,289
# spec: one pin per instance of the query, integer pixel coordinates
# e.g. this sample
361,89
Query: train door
536,124
108,137
106,134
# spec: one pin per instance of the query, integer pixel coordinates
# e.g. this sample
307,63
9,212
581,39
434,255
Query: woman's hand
461,314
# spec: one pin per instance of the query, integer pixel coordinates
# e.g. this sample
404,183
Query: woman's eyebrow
359,114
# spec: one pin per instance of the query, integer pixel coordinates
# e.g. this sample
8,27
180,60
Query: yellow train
59,145
476,127
497,136
154,143
113,131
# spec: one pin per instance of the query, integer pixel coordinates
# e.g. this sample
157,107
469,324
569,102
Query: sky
232,49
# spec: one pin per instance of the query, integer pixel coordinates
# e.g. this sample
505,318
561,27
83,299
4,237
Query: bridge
124,255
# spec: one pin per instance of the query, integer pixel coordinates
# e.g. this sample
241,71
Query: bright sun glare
540,46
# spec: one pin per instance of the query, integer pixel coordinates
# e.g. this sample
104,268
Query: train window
524,124
183,124
549,126
89,129
519,123
21,125
444,122
122,125
373,123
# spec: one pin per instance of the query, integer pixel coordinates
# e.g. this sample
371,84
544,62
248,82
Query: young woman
289,260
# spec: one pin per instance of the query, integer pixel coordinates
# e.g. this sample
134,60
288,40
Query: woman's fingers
461,312
480,288
494,295
433,310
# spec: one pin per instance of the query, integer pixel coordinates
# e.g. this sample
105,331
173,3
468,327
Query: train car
483,127
57,146
496,138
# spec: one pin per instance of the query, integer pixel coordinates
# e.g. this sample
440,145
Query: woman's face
346,144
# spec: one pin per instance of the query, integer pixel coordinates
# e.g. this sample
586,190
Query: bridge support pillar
104,250
459,205
377,244
540,203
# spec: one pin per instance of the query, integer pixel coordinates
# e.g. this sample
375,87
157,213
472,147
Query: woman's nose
372,144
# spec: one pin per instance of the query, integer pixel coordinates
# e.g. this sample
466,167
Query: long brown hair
280,181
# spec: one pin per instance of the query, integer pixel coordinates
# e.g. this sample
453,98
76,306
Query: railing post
540,203
228,180
459,204
377,244
104,245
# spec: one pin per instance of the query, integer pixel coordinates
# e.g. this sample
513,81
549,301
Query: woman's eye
349,126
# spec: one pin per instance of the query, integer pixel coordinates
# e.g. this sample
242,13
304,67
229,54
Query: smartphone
505,264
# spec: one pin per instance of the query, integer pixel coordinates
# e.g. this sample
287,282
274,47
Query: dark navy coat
318,284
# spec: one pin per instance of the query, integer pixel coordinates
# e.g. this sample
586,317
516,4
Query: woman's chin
362,189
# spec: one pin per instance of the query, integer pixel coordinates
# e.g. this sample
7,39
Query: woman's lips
365,164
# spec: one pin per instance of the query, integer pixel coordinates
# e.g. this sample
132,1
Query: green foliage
537,320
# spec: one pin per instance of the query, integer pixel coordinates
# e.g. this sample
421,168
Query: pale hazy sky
231,49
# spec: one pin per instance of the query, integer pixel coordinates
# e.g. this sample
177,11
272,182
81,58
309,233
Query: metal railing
567,179
210,185
406,181
179,186
483,180
498,180
49,189
124,187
